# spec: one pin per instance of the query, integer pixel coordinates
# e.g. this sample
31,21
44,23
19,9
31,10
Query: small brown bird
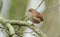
35,16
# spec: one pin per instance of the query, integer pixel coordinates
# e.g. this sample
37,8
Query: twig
40,4
22,23
3,22
26,18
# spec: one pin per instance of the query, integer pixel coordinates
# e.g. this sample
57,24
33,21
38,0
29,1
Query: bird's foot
32,24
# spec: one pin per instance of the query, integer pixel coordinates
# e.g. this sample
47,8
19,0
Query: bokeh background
17,10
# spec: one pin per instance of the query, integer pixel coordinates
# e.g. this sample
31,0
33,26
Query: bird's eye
29,10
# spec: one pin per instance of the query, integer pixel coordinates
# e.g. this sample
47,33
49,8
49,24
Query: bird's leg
32,24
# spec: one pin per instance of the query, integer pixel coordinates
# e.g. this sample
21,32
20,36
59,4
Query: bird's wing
38,15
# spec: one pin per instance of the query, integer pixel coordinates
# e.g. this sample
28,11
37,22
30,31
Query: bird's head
31,10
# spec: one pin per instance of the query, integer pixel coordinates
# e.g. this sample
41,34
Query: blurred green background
51,23
18,8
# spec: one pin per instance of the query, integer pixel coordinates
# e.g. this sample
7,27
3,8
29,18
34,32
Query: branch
8,23
40,4
3,22
22,23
